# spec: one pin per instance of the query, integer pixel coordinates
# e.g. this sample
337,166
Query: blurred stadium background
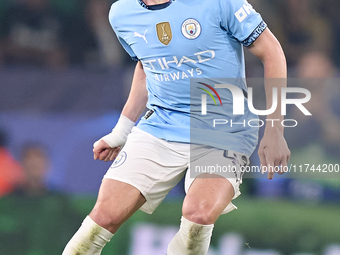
63,81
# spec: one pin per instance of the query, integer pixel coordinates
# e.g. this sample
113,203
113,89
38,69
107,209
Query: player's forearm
269,51
275,73
138,96
133,108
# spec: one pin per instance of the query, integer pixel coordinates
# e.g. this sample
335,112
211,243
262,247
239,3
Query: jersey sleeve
114,21
241,21
127,48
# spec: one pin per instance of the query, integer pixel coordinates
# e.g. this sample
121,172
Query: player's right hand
108,147
102,151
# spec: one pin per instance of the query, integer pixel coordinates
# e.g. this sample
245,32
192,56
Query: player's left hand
273,152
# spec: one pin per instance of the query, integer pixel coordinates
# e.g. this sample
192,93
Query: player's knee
201,214
107,217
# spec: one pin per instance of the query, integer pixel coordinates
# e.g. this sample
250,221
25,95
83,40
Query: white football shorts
154,166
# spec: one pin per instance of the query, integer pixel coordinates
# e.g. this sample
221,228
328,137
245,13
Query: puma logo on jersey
142,36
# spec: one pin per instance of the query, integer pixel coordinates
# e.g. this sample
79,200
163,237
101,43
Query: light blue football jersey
185,39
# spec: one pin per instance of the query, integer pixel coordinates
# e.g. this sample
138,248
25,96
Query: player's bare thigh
207,198
117,201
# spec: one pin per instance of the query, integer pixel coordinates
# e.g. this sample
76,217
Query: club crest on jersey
164,32
191,28
120,159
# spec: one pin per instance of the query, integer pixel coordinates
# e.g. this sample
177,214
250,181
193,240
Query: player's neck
155,2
